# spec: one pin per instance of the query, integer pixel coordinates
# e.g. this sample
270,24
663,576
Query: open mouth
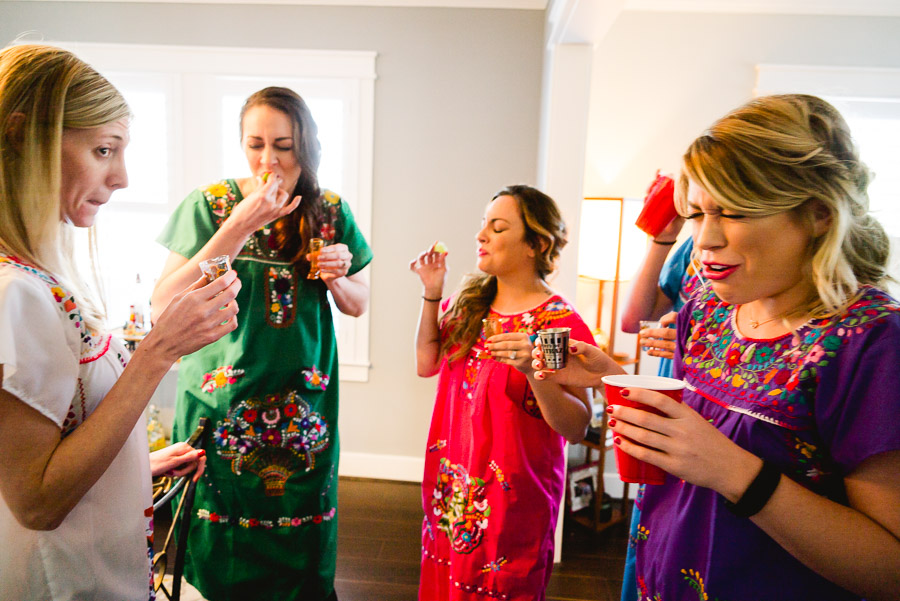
718,271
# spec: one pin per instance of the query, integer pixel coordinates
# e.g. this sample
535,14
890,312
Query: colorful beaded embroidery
93,346
272,438
280,289
459,503
282,522
220,378
315,378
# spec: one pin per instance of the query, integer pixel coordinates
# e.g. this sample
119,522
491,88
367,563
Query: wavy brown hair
293,231
794,152
545,232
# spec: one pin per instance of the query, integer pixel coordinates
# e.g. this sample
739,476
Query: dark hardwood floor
379,548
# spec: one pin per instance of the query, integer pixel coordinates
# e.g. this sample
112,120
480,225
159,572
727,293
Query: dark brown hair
545,232
293,231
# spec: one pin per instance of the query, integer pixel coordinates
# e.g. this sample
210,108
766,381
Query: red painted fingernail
609,408
625,393
202,452
573,348
617,440
612,422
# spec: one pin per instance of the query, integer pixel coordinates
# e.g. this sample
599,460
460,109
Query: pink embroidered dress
494,474
53,364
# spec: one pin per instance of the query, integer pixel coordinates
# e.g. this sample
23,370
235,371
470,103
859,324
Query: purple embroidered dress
817,403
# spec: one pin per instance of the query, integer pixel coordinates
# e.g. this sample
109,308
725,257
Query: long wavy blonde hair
545,231
794,152
43,91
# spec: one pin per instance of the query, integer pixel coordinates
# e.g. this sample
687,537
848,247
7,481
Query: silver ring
512,355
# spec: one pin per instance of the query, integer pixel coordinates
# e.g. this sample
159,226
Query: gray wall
457,104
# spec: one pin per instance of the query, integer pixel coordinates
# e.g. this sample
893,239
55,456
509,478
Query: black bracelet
655,241
432,300
758,493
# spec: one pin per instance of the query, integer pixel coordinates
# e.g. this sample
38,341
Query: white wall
456,118
660,78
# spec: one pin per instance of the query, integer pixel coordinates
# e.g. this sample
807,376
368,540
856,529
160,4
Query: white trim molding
501,4
868,83
382,467
870,8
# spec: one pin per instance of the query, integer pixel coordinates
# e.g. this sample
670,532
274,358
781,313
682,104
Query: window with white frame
186,102
869,99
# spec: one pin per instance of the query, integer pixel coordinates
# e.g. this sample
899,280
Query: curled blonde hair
794,152
44,90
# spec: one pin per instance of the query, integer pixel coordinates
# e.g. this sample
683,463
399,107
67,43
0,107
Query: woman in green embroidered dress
265,525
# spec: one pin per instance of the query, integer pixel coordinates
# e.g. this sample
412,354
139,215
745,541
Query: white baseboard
382,467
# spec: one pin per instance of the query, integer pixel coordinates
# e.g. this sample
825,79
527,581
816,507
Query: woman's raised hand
196,316
267,203
431,267
585,367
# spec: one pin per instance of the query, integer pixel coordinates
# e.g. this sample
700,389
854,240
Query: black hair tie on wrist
432,300
758,493
655,241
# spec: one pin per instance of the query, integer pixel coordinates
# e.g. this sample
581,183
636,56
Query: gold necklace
755,324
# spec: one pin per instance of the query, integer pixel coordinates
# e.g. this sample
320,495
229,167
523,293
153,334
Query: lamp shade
598,240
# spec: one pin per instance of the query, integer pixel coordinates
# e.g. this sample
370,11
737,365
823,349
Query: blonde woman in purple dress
784,458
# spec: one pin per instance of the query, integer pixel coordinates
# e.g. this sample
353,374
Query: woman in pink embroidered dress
75,480
494,466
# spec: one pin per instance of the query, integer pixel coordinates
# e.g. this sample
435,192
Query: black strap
758,493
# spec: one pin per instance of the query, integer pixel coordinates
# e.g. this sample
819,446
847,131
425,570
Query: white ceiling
827,7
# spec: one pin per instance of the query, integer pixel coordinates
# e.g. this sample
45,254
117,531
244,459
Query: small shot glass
647,324
215,267
315,247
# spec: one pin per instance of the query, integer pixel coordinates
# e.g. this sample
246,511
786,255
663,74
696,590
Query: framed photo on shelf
583,486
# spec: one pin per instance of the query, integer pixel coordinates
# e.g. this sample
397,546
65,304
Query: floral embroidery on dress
494,566
785,368
280,290
315,378
460,505
220,378
437,446
93,345
77,410
281,522
272,438
332,204
500,477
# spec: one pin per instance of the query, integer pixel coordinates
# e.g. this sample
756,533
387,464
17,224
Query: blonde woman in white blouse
75,498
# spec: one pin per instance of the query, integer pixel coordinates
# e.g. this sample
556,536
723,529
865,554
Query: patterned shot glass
215,267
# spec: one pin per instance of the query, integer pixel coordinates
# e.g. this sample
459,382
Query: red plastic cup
659,206
631,469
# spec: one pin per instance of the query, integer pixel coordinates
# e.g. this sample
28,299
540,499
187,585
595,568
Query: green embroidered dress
265,516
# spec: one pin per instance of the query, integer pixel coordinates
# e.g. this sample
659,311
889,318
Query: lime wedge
439,247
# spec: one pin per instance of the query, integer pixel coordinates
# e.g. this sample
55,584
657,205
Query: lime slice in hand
265,176
439,247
